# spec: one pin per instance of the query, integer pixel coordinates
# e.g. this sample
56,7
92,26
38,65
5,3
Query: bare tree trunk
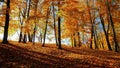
40,37
112,24
59,33
95,38
79,42
20,37
92,27
71,40
54,24
59,28
29,37
5,37
34,33
106,35
25,38
28,14
47,16
74,40
21,26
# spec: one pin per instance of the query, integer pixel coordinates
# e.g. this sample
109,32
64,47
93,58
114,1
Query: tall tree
35,27
106,35
53,8
112,24
92,24
59,28
5,37
47,18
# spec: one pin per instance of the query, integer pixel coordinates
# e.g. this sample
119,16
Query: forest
59,33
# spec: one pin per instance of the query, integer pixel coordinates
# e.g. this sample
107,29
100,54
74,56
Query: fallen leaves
28,55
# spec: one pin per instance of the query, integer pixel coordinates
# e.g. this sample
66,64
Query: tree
112,24
47,18
5,37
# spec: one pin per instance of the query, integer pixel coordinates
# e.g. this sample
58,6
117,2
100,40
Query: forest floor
19,55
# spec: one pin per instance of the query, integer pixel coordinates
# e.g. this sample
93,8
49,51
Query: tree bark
106,35
29,37
20,37
59,28
112,24
21,26
54,24
25,38
5,37
79,42
59,33
92,27
47,16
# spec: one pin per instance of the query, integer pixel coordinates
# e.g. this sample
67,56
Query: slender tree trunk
35,27
28,9
71,39
28,14
79,42
54,24
21,26
101,40
91,36
74,40
34,33
29,37
59,33
106,35
47,16
92,27
45,34
25,38
113,28
59,28
20,37
40,37
5,37
95,38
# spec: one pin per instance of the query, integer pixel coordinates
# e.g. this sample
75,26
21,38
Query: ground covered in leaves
19,55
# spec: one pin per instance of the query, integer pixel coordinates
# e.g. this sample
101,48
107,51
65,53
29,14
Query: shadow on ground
12,56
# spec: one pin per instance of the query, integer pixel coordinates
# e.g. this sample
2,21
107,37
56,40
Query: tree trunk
106,35
92,27
91,36
25,38
95,38
20,37
71,39
5,37
112,24
34,34
79,42
29,37
40,37
47,16
59,33
74,41
54,24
